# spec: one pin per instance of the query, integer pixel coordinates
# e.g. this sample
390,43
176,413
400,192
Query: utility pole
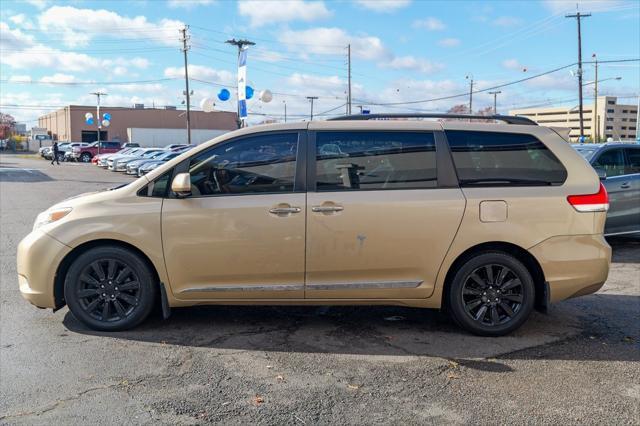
596,122
349,79
185,48
241,45
495,100
311,98
578,17
284,101
470,78
98,95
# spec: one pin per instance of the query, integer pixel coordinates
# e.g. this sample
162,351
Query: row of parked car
138,161
129,158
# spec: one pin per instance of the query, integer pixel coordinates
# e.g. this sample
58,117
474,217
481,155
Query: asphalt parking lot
578,364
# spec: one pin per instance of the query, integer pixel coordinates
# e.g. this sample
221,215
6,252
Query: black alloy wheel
492,294
110,288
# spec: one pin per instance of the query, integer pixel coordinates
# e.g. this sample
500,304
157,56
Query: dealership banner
242,84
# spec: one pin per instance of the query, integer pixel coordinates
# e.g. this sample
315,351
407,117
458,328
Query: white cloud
561,6
556,81
413,64
513,64
58,78
20,79
506,21
333,41
13,39
316,84
201,72
188,4
21,20
40,4
449,42
267,12
383,6
431,24
79,26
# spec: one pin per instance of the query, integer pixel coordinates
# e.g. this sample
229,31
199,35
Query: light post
284,101
495,100
595,101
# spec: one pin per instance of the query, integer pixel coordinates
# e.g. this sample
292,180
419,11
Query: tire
492,294
112,276
61,158
85,157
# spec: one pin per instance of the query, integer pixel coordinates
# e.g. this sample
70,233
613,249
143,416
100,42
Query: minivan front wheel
492,294
110,288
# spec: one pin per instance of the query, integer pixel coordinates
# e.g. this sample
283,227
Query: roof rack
509,119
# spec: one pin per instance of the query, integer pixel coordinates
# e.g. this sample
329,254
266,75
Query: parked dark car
619,166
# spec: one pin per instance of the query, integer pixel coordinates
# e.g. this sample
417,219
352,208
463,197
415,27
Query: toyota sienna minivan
484,220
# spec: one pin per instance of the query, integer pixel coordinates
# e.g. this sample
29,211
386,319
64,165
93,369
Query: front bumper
574,265
38,258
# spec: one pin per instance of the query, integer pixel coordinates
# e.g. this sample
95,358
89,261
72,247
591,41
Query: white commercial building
606,119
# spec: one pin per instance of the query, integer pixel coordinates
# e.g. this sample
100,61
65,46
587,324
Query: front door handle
625,185
326,209
285,210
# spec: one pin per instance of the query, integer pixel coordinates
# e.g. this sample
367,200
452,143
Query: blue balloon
106,116
224,95
89,121
249,92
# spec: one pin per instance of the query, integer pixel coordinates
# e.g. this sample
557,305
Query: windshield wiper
502,181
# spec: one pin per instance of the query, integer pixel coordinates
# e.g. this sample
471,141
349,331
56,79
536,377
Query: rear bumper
38,258
573,265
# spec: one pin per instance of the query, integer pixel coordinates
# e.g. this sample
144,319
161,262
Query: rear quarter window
503,159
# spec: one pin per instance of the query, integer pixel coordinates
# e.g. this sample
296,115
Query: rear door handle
285,210
326,209
625,185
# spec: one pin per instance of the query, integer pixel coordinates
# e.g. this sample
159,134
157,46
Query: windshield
586,152
149,154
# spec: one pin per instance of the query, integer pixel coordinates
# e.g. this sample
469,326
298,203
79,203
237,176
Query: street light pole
284,101
495,100
595,102
98,95
311,98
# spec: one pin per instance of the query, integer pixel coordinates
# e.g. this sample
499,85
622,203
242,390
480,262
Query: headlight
51,216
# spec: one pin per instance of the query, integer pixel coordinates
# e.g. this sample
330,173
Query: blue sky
56,53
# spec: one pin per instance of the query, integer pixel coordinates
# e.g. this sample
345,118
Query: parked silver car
619,166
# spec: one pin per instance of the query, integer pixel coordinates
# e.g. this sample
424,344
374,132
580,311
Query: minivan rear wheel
492,294
110,288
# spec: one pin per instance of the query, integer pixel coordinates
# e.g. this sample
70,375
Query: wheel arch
530,262
65,264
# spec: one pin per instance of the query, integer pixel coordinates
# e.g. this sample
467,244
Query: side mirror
602,173
181,184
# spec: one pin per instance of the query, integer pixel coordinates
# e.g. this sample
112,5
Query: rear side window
633,161
612,161
503,159
375,161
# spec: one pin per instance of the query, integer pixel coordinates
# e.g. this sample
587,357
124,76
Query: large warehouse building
146,126
609,120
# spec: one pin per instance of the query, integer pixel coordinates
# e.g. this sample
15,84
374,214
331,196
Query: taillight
598,202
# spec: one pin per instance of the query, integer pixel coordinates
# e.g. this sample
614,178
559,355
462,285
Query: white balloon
266,96
105,123
88,116
207,104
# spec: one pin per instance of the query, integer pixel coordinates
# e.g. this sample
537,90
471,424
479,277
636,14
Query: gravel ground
579,364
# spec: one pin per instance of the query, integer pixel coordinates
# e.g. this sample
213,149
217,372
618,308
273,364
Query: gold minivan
485,220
